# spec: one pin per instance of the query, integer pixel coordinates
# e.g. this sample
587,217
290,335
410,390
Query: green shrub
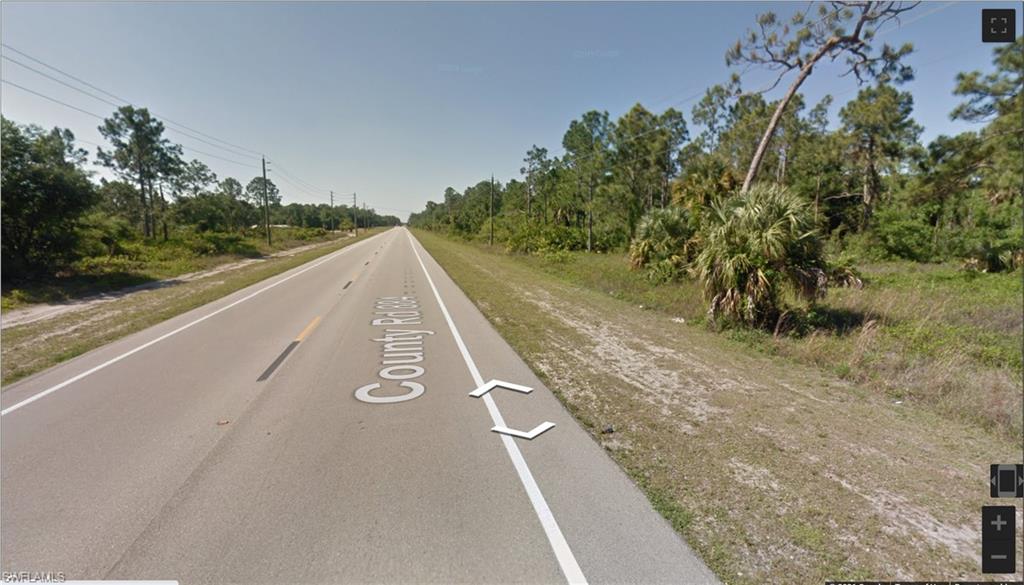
664,238
303,234
206,244
862,246
565,238
993,239
753,245
666,270
535,238
525,239
97,265
46,191
842,272
555,255
102,234
610,236
134,250
902,234
995,254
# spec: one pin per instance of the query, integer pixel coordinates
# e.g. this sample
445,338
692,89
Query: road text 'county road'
403,349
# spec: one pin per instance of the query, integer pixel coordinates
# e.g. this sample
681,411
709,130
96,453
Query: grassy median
776,470
33,347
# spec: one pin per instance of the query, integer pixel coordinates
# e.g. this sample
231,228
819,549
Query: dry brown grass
929,334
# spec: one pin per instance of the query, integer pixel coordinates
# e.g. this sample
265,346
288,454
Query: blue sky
398,101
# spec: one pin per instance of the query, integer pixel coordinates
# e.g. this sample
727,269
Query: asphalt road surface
248,441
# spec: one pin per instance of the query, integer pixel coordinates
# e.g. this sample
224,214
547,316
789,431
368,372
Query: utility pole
355,217
590,218
490,238
546,205
529,196
332,211
266,200
579,195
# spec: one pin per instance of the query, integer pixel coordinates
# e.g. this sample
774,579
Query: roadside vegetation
773,470
849,244
772,321
140,262
43,342
66,235
929,335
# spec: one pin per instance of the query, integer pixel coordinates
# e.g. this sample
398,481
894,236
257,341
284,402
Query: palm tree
662,234
755,244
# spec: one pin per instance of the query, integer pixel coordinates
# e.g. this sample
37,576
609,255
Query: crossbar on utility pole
266,200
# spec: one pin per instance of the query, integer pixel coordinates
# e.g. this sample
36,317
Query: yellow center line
309,329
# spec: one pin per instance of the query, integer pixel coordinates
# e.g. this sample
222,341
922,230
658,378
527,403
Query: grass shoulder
772,469
931,334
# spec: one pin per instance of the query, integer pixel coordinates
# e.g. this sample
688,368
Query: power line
55,100
121,99
302,185
911,21
248,165
306,190
299,187
305,186
375,207
82,81
210,143
108,102
89,142
67,105
306,183
62,82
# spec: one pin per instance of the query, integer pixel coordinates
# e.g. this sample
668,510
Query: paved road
193,451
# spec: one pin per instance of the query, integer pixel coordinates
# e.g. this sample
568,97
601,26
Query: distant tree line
767,199
54,212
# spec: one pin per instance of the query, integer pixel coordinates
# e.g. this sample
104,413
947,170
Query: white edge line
112,361
566,560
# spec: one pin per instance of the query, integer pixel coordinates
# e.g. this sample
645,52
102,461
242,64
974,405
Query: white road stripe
112,361
563,553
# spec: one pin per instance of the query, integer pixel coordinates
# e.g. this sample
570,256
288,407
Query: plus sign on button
997,522
998,25
998,545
